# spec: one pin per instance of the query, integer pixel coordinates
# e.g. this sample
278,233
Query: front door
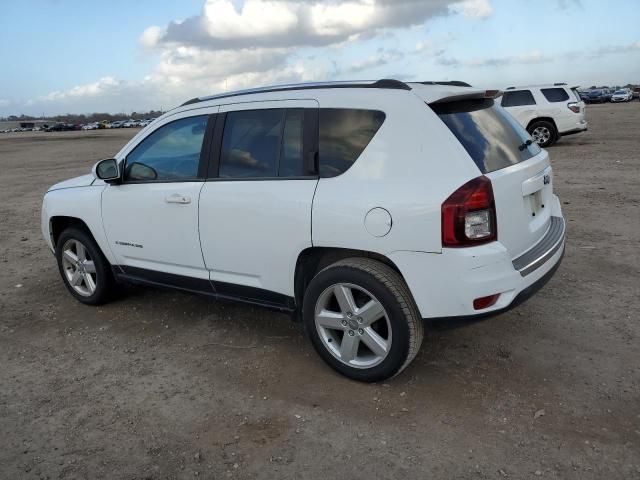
255,215
151,218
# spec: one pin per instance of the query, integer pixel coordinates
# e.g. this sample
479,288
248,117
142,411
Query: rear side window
343,135
491,136
555,94
517,98
262,143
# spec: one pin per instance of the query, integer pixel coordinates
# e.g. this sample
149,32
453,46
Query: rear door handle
177,198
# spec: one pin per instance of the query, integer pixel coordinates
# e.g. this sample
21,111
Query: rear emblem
546,179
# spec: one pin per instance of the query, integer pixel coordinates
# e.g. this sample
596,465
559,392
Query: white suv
360,208
546,111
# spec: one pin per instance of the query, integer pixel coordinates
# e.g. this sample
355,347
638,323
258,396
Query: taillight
574,107
469,215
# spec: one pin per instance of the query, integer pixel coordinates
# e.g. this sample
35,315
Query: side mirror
107,170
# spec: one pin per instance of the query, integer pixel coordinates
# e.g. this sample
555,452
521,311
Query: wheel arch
313,259
543,119
59,223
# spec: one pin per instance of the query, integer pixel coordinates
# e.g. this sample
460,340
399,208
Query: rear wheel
543,133
84,269
362,320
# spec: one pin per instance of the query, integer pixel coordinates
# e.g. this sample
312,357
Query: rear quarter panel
410,166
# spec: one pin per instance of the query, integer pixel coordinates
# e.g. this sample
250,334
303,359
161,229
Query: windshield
491,137
595,92
620,92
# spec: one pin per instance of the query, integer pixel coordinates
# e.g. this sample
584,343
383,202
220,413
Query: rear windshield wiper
525,145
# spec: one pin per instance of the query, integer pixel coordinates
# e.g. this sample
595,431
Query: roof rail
385,83
557,84
510,88
451,83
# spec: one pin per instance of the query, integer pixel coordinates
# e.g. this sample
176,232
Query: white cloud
472,8
100,87
256,18
151,36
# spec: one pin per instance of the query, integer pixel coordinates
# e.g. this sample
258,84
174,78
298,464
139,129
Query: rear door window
491,137
263,144
517,98
343,135
555,94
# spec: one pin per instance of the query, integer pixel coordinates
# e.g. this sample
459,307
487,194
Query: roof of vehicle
544,85
429,91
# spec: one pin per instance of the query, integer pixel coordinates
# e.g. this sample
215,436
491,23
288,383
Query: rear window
576,93
555,94
491,136
517,98
343,135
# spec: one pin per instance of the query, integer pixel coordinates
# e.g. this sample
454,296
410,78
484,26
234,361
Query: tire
543,133
72,242
396,334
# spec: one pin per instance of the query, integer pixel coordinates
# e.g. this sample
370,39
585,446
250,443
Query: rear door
521,104
255,210
520,172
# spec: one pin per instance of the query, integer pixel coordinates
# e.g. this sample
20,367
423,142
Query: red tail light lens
469,215
573,107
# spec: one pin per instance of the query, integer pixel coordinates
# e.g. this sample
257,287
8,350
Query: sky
79,56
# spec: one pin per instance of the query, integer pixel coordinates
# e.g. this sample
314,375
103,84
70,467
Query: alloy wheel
79,268
541,135
353,325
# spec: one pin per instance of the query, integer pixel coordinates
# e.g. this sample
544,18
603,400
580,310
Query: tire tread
398,287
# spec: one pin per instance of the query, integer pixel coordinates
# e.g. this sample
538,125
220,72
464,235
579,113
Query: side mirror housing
107,170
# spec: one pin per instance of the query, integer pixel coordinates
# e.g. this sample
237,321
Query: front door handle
178,198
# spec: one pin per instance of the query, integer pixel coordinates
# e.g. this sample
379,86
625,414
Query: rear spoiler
470,96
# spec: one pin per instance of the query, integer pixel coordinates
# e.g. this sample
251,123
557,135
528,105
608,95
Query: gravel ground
166,385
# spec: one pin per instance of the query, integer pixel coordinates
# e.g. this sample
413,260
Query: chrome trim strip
543,250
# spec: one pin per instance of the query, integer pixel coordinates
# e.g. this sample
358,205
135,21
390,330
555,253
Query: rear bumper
446,284
581,126
445,323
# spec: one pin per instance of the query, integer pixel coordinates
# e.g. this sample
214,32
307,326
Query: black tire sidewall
552,129
104,276
400,329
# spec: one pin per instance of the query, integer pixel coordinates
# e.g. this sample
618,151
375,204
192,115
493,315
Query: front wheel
362,320
84,269
543,133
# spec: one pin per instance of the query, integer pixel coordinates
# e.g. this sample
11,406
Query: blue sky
63,56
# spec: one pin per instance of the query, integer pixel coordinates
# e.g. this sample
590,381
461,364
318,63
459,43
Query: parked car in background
90,126
636,92
546,111
596,96
61,127
621,96
376,205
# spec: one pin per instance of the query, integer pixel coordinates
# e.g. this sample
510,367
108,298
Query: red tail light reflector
485,302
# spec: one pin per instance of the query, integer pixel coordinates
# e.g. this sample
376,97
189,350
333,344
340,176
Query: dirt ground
166,385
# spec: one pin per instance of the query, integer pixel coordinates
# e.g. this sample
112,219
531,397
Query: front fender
82,203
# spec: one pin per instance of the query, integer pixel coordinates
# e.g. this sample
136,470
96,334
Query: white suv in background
546,111
360,208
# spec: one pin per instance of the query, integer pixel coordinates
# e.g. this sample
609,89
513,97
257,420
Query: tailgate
519,170
523,196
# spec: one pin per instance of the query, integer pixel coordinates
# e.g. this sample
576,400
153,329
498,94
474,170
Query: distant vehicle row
66,127
603,95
